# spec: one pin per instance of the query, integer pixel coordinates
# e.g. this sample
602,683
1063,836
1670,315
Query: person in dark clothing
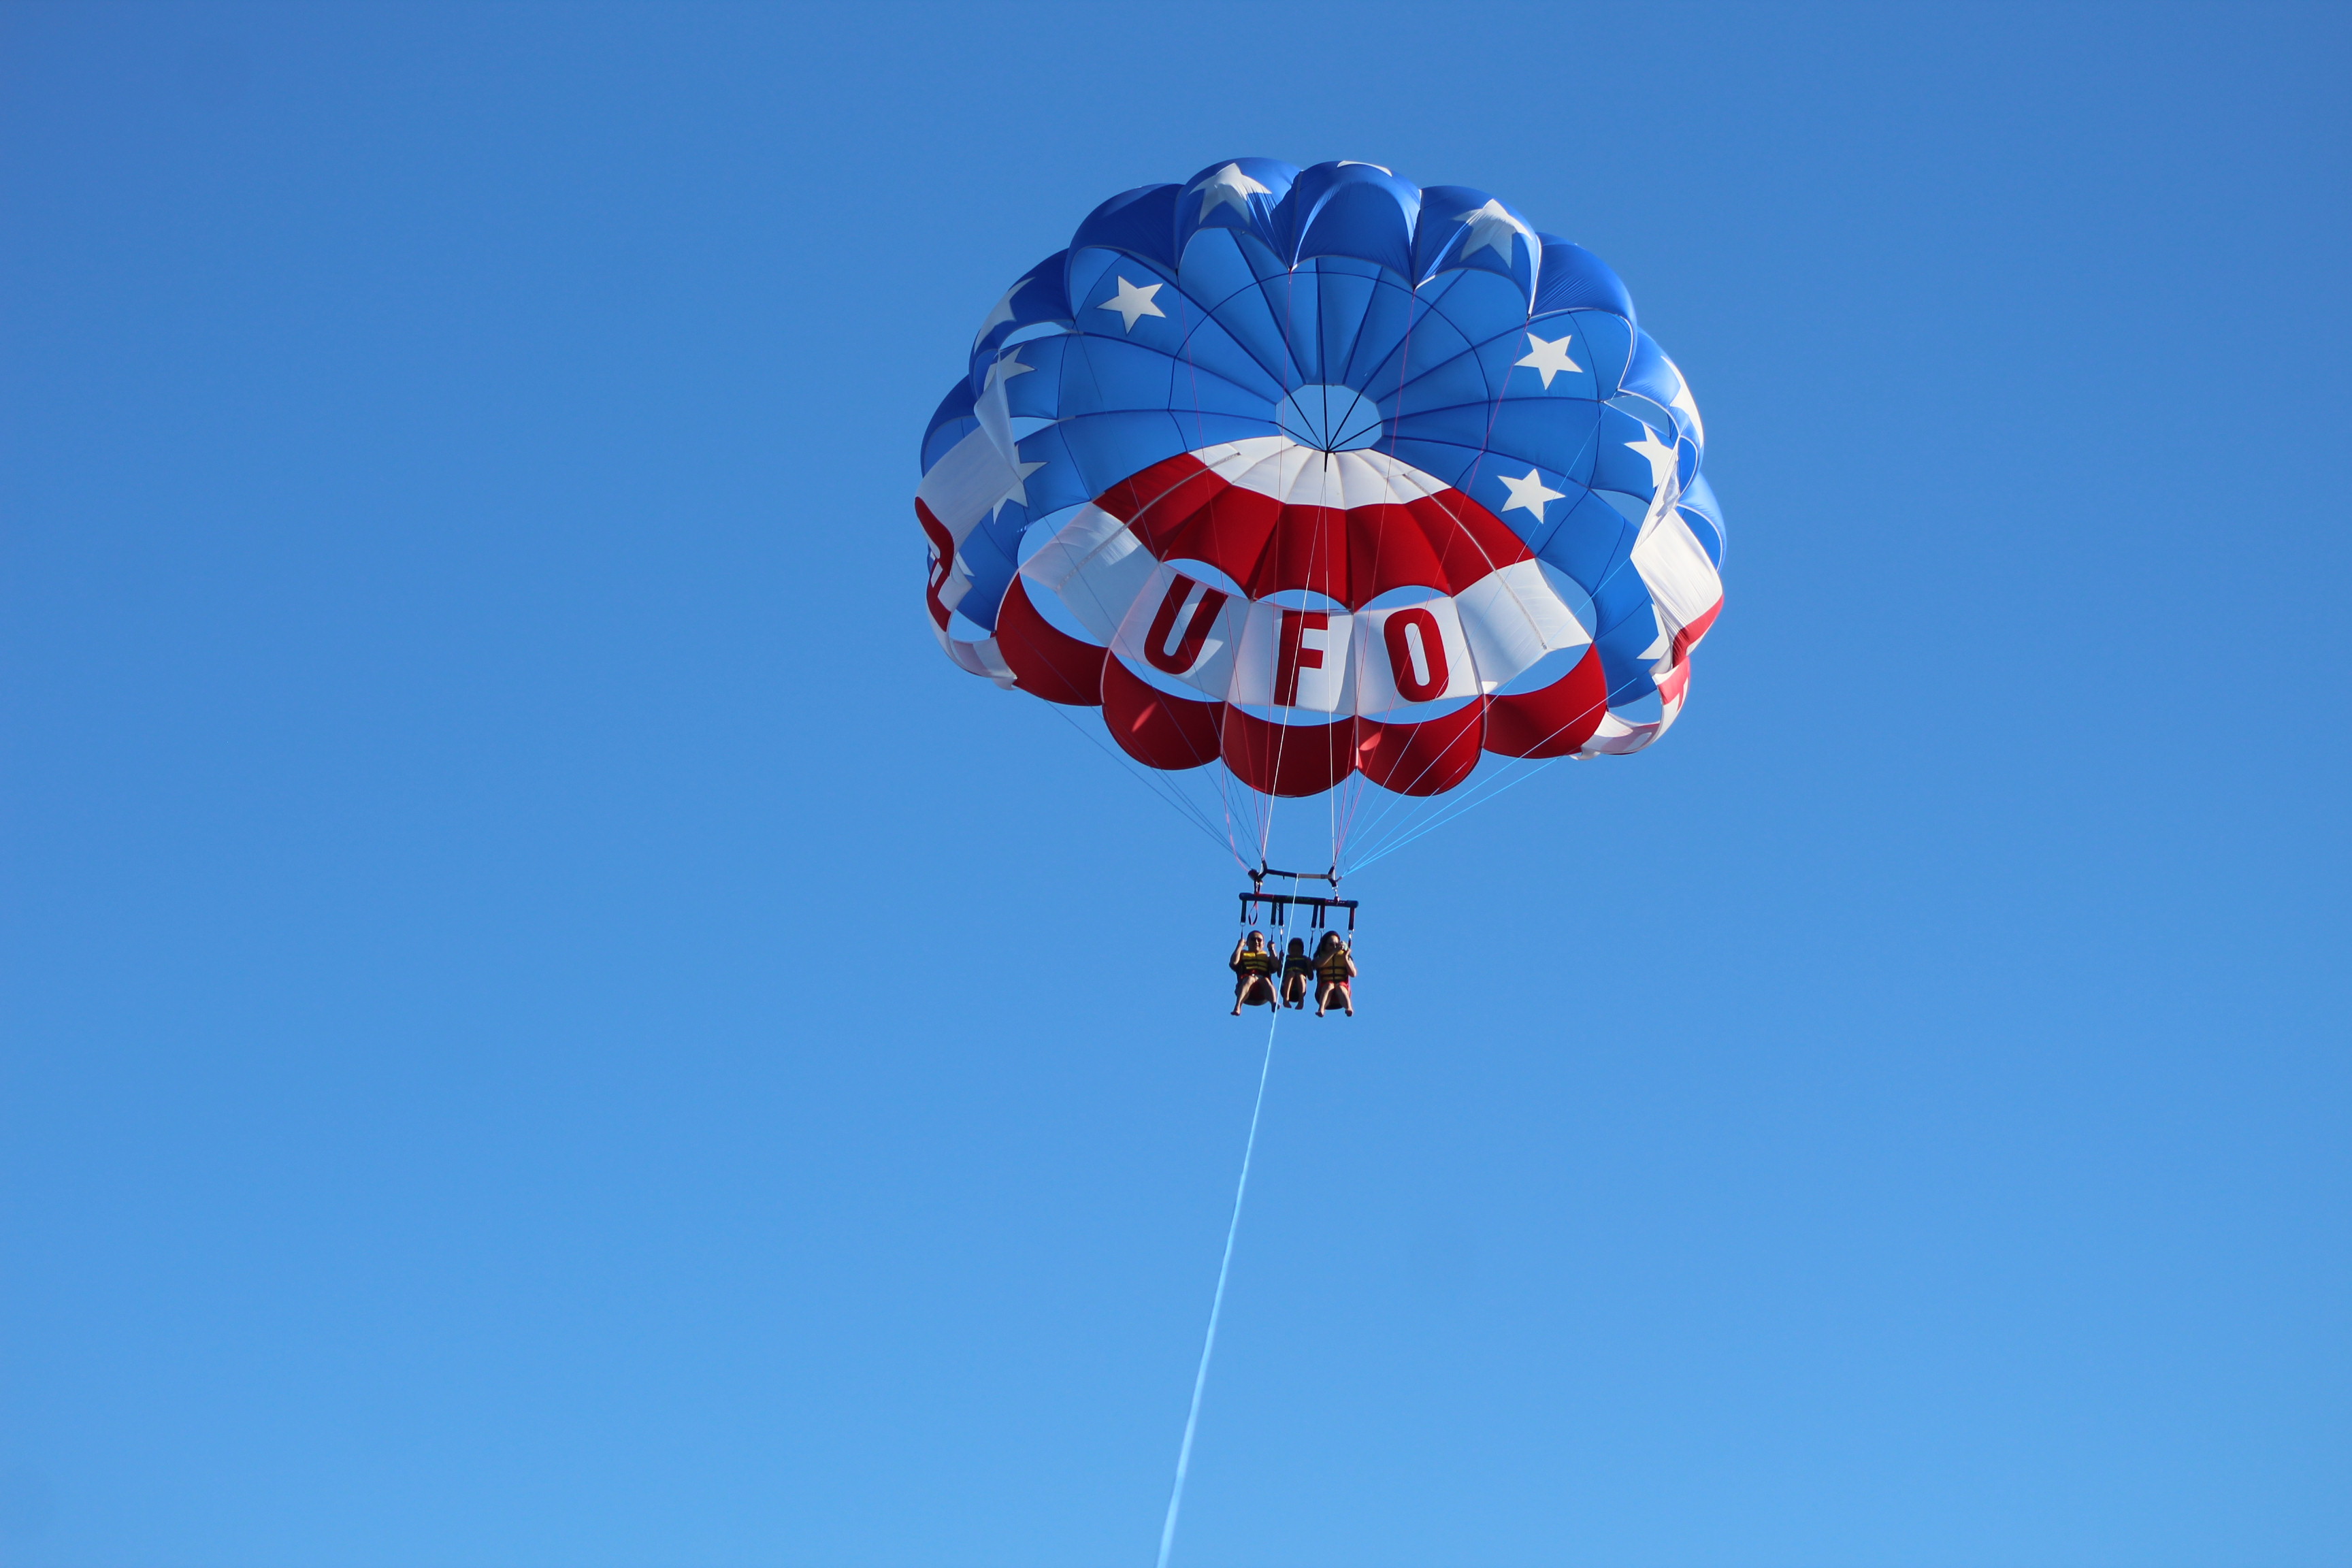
1298,969
1254,965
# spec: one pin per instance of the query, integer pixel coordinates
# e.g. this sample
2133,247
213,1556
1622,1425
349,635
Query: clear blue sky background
545,1024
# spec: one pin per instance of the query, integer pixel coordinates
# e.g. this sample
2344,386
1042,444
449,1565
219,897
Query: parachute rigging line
1217,1301
1181,806
1424,828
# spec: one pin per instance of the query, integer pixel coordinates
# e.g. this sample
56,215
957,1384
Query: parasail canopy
1314,483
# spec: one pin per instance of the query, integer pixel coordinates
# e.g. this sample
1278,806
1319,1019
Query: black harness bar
1277,905
1263,872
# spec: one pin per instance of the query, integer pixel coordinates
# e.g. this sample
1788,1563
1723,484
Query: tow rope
1217,1302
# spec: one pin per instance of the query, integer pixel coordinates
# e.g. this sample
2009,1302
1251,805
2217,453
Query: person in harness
1254,965
1334,972
1298,969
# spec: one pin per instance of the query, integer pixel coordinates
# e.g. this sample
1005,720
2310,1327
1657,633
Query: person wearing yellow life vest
1254,965
1334,974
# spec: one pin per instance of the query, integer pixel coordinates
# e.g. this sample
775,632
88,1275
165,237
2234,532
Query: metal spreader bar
1258,903
1277,907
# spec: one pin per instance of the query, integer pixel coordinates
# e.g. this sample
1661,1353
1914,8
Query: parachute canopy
1319,481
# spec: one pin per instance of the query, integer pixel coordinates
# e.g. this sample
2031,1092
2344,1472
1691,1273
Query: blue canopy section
1504,361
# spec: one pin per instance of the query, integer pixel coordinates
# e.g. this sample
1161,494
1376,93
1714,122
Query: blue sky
545,1024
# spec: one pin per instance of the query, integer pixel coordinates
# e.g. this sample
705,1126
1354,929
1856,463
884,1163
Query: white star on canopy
1132,302
1005,369
1660,645
1530,493
1020,488
1689,407
1660,456
1229,187
1491,229
1002,313
1548,357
